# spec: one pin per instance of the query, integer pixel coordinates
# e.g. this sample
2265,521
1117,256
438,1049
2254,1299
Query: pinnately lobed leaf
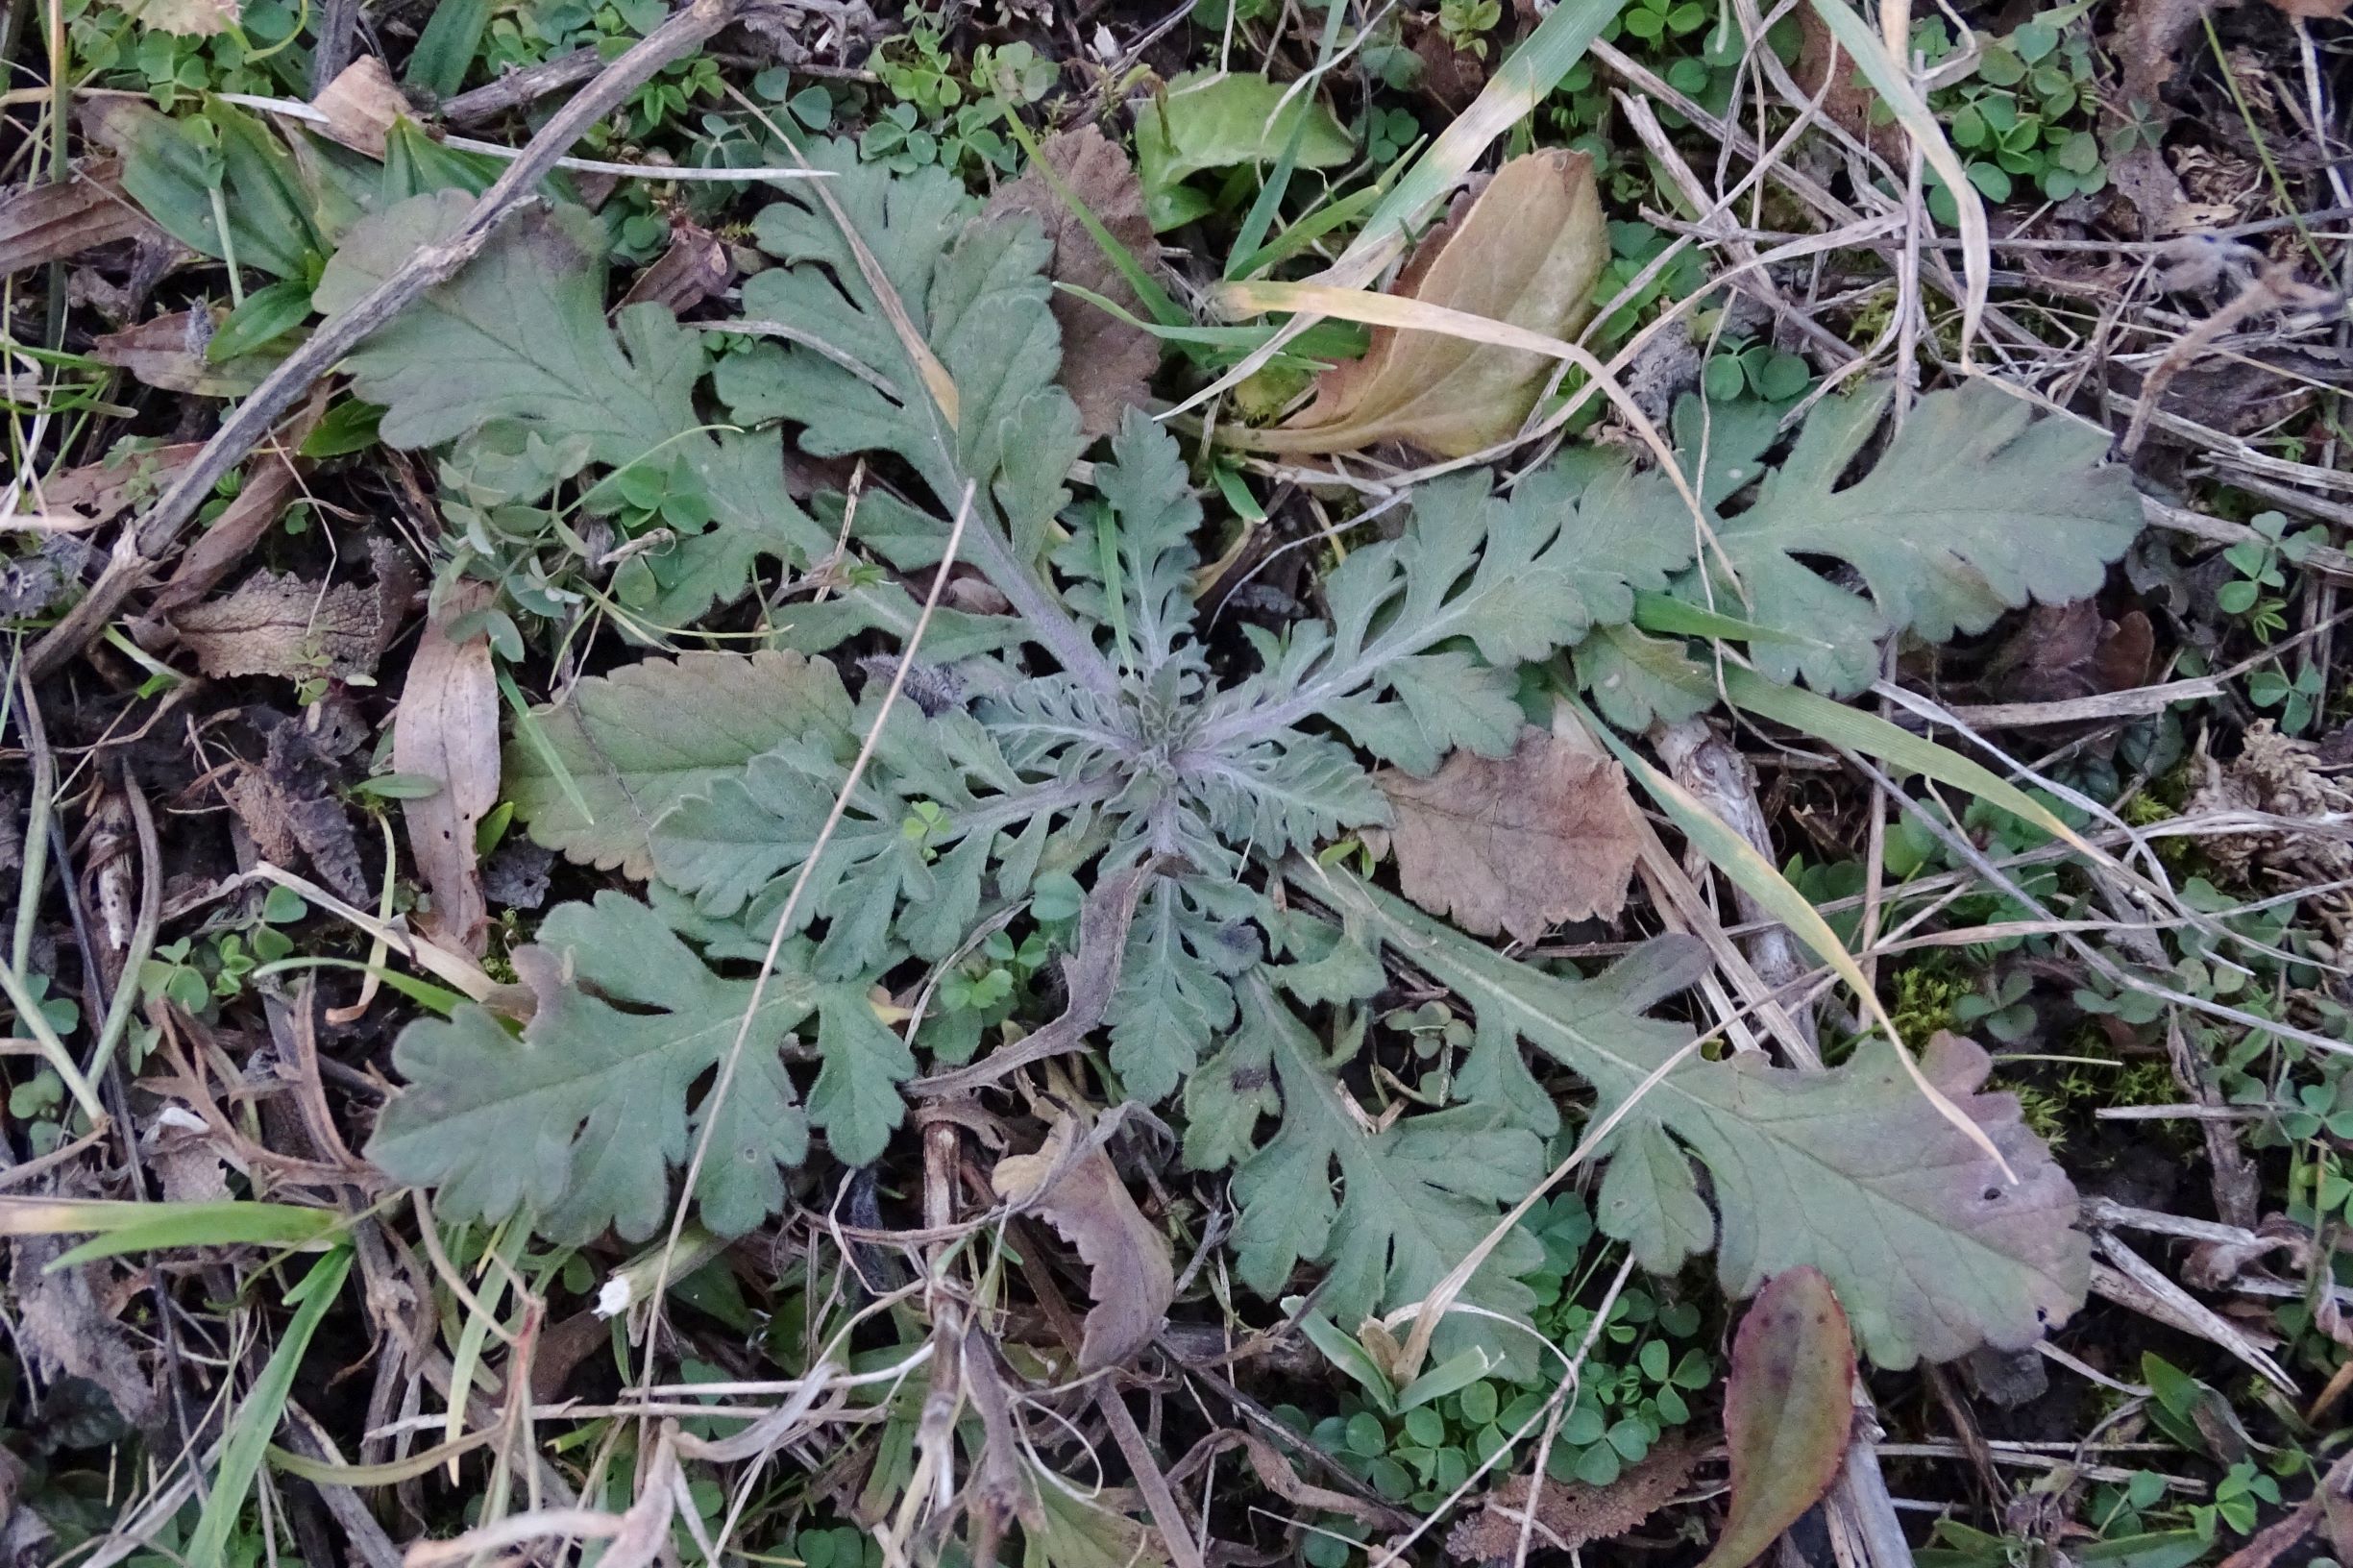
519,338
1977,506
1086,736
629,745
578,1120
1851,1171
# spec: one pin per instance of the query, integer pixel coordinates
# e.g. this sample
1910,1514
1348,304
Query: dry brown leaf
1450,78
277,624
2071,651
100,491
288,807
270,487
65,1329
362,104
1788,1411
1545,835
1106,363
1571,1515
2149,40
42,224
694,267
1079,1192
182,1151
189,19
447,729
1527,249
1846,97
168,354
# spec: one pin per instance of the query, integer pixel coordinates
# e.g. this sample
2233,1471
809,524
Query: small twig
2276,288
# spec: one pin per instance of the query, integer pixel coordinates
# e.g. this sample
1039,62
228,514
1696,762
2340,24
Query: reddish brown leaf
168,354
1788,1411
447,729
1569,1515
2071,651
694,268
1545,835
1106,363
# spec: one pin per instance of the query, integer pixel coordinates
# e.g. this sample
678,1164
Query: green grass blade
1672,616
447,46
1311,228
1261,215
255,1420
147,1227
1838,724
528,726
1165,310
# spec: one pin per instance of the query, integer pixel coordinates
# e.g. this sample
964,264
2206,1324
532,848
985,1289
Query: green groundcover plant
1103,774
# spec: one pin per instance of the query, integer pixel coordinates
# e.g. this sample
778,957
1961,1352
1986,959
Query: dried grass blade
1737,858
1893,83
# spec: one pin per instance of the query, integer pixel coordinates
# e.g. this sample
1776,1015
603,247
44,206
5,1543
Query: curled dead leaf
1515,844
1106,363
1072,1183
447,729
2071,651
361,105
694,267
1527,251
64,1329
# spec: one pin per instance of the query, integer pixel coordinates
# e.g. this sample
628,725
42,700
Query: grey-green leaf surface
1412,1200
1975,507
520,336
579,1118
629,745
976,295
1514,578
1932,1249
